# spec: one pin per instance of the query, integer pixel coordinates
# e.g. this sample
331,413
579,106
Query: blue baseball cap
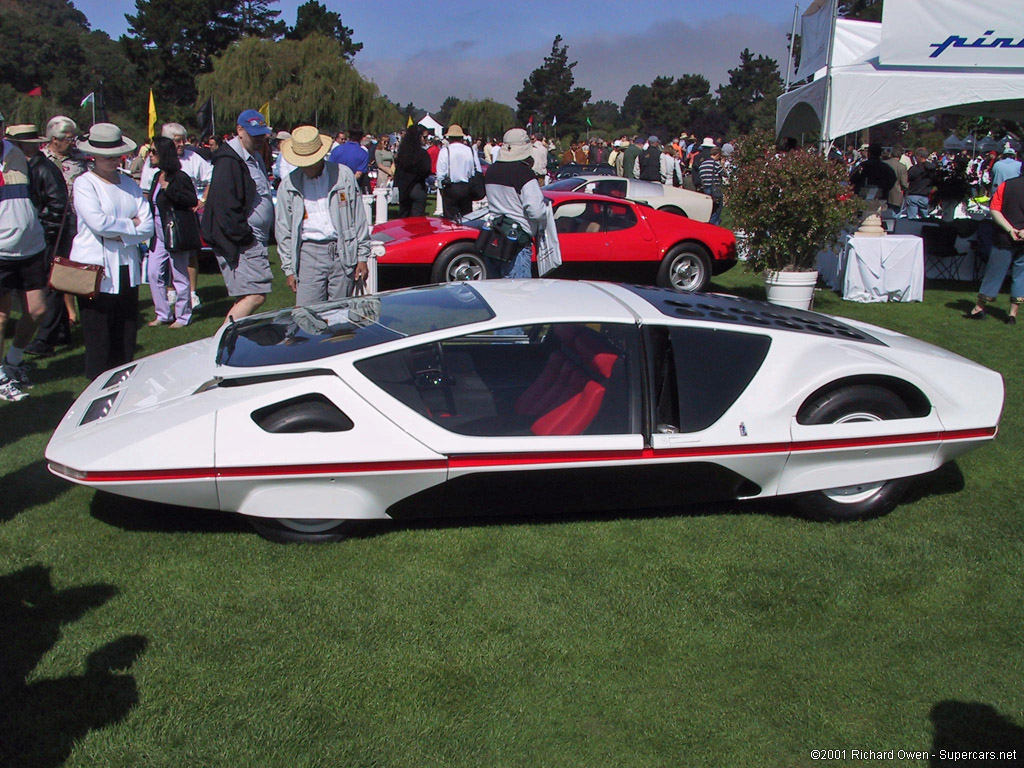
253,123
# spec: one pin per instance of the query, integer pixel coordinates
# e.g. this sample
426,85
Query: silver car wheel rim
686,273
307,526
463,269
854,494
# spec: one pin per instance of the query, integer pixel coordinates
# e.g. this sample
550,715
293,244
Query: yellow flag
265,111
409,124
152,116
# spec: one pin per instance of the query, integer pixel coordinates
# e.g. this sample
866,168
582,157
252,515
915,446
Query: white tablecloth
889,268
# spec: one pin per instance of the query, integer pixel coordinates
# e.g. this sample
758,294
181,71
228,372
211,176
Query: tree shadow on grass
27,487
41,721
972,727
150,516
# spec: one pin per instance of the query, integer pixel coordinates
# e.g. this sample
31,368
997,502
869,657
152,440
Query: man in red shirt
1007,250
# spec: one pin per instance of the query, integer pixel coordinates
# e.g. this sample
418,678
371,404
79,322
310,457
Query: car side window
578,217
698,373
610,187
542,380
618,217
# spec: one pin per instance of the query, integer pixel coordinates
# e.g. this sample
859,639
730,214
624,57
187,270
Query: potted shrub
790,206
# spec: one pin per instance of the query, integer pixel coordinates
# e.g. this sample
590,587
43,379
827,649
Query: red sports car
599,237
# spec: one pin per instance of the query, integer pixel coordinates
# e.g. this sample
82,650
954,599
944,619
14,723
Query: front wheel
286,530
685,268
458,263
859,501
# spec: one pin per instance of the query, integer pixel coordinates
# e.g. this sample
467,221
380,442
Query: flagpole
825,123
792,45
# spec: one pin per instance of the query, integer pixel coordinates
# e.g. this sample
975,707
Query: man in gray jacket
323,237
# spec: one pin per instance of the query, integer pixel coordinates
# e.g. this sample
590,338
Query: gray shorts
251,275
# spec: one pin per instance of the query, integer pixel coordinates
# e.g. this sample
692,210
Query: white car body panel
177,434
696,205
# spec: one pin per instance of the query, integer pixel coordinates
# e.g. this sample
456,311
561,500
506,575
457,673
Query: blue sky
424,51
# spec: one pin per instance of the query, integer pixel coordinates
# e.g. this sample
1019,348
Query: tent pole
825,127
792,44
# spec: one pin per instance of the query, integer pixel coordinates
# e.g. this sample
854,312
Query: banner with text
952,34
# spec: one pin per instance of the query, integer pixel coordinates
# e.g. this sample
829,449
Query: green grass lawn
141,635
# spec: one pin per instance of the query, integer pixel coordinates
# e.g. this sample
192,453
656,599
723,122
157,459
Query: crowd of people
104,201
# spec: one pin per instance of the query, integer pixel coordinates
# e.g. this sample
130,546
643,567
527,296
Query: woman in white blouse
114,217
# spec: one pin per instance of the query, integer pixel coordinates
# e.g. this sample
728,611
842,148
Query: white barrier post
368,206
381,196
376,251
439,206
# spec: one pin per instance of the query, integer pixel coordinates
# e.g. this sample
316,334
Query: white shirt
106,234
457,162
316,223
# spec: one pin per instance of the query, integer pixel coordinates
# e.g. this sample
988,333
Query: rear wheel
685,268
288,530
674,209
458,263
862,500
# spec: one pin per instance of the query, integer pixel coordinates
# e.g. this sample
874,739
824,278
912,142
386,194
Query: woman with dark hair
412,167
172,190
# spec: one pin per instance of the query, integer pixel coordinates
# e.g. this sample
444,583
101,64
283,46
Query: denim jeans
917,206
999,261
519,267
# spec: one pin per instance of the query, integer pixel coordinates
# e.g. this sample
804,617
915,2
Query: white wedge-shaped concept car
503,397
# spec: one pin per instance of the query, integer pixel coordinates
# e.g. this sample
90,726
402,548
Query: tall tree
444,114
748,100
313,16
256,19
549,93
667,105
303,80
172,41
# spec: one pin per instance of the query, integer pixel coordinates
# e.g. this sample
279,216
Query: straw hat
306,147
455,132
106,140
25,134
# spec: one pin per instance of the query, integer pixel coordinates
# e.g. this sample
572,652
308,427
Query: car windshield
564,185
322,330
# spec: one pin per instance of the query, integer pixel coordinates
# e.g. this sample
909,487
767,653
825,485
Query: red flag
37,91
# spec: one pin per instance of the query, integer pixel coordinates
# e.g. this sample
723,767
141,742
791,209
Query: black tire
862,402
674,209
685,268
283,530
459,262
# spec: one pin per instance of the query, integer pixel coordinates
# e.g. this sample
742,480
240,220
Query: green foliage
256,19
748,100
48,43
305,80
790,205
485,118
667,105
549,93
313,16
444,114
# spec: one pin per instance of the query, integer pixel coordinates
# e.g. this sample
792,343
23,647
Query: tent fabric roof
865,94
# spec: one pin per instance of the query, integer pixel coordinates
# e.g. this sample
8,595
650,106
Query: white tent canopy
866,94
432,125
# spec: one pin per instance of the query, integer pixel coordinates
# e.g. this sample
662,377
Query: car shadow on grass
42,720
969,727
151,516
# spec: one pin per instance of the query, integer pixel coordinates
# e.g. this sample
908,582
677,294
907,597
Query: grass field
135,634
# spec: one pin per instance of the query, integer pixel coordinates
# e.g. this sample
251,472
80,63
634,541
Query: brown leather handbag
73,277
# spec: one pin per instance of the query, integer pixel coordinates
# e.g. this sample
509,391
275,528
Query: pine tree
748,100
313,16
549,93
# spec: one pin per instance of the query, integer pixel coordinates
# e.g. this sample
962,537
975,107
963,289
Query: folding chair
940,250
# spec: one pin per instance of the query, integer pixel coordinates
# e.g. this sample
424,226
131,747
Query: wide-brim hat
455,132
515,146
25,134
708,142
106,140
306,147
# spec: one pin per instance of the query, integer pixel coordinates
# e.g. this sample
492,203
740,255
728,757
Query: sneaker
18,374
195,300
9,390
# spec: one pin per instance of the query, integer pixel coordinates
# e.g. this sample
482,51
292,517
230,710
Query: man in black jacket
49,195
239,213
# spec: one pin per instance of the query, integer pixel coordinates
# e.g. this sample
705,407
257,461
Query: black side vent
308,413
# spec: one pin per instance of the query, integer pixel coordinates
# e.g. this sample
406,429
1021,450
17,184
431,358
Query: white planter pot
791,289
